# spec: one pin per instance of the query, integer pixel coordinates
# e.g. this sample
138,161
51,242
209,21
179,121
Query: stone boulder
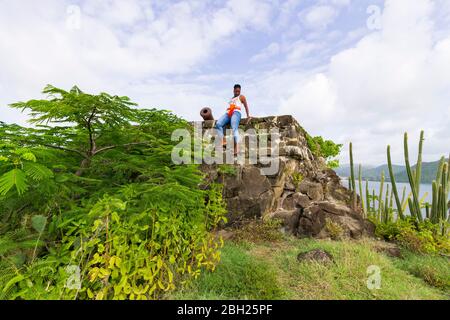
319,256
304,194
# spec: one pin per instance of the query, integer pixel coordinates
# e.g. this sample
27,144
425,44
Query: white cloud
162,54
271,50
318,17
119,42
392,81
299,50
341,3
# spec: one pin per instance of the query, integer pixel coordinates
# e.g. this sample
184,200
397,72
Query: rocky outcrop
303,193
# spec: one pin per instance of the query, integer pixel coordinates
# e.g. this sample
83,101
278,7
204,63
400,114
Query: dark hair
237,86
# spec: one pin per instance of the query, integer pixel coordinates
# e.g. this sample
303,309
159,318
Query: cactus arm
444,192
412,209
386,205
380,198
352,176
405,204
439,171
394,185
367,197
403,196
391,206
374,207
419,163
415,199
360,189
433,213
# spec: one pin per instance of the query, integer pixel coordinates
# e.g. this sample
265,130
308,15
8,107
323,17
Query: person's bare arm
244,102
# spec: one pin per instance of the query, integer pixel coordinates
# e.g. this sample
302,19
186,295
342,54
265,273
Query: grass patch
238,276
264,270
259,231
347,277
433,269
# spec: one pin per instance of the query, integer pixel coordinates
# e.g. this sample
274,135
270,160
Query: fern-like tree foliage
105,212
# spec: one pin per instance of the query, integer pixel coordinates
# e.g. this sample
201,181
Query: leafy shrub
259,230
334,229
227,170
297,178
424,237
326,149
106,213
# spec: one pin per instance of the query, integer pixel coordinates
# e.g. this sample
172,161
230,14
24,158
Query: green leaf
37,172
14,178
13,281
38,223
28,156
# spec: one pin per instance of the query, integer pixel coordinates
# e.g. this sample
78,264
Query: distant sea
425,189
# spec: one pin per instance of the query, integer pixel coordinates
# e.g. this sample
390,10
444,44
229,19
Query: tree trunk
83,165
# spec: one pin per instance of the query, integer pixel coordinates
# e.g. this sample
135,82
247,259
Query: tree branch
65,149
119,146
91,134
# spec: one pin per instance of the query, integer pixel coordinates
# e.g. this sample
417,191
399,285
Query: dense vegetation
91,206
409,219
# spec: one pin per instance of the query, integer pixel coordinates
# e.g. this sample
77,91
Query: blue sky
350,70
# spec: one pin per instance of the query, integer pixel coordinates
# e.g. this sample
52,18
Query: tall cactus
386,205
440,194
439,171
448,180
414,205
439,207
434,203
444,195
394,185
361,189
368,208
403,197
352,177
418,170
373,203
380,197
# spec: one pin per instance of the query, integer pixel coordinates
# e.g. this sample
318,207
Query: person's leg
222,122
235,121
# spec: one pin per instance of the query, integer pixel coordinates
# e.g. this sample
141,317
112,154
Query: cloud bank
361,71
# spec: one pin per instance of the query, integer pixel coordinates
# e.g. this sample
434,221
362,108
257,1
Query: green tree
326,149
93,183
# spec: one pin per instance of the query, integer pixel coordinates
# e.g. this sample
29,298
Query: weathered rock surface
390,249
319,256
306,195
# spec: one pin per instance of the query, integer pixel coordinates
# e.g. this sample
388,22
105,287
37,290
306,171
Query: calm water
425,189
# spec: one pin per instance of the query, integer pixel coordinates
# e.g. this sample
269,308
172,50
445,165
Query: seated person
233,117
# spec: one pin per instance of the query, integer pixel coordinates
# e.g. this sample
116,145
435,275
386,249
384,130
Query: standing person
233,117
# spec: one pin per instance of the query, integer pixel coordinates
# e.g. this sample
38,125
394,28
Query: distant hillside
429,170
344,170
369,172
